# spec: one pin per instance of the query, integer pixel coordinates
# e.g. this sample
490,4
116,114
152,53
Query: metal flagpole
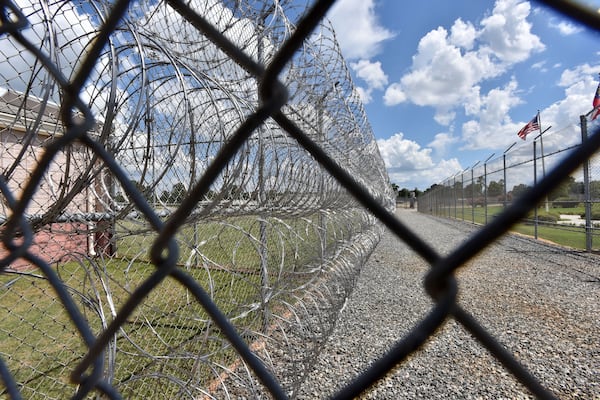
539,120
541,143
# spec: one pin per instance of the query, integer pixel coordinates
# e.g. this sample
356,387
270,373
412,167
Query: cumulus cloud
372,74
72,30
363,37
441,142
394,95
364,94
410,165
579,85
565,28
507,33
463,34
449,65
494,128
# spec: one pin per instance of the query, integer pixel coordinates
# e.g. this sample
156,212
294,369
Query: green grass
40,345
569,236
573,237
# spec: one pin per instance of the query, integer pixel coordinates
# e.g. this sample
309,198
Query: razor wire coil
189,190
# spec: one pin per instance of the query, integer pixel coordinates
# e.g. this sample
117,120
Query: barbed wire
189,191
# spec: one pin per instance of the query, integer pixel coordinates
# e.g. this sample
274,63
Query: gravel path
540,301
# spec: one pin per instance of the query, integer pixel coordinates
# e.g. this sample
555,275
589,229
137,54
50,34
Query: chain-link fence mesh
189,190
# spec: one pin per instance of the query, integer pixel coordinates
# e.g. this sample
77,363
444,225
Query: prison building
63,211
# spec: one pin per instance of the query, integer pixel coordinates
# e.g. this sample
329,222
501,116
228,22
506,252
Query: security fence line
189,192
263,245
478,193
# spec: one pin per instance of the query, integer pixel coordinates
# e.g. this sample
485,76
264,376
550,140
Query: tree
563,189
178,193
146,191
473,189
165,196
518,190
595,190
404,193
432,188
496,189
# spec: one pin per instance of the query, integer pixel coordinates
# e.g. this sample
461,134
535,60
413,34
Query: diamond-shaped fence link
189,190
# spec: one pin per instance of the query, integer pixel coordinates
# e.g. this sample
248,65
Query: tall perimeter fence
189,190
568,214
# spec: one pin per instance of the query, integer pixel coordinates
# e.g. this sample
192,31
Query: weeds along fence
569,214
189,190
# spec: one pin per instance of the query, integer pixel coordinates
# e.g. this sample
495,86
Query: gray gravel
541,301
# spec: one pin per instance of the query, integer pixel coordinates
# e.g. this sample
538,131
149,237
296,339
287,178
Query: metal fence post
504,172
462,196
485,192
535,209
586,189
473,195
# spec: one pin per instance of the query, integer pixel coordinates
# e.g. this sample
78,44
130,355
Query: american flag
531,126
596,104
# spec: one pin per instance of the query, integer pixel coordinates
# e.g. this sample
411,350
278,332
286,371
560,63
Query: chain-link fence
189,191
569,214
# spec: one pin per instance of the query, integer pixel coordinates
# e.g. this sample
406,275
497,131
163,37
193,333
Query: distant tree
165,196
210,195
178,193
119,197
563,189
404,193
595,190
433,187
496,189
518,190
473,189
145,190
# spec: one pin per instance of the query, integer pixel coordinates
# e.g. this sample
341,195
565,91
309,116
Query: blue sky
448,83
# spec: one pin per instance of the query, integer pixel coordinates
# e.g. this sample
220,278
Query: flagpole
542,150
541,144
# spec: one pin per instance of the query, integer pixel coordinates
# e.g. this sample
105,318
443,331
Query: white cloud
409,165
580,84
422,179
541,66
580,74
71,32
494,128
402,154
359,33
565,28
364,94
441,142
394,95
372,74
463,34
507,33
449,66
444,116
